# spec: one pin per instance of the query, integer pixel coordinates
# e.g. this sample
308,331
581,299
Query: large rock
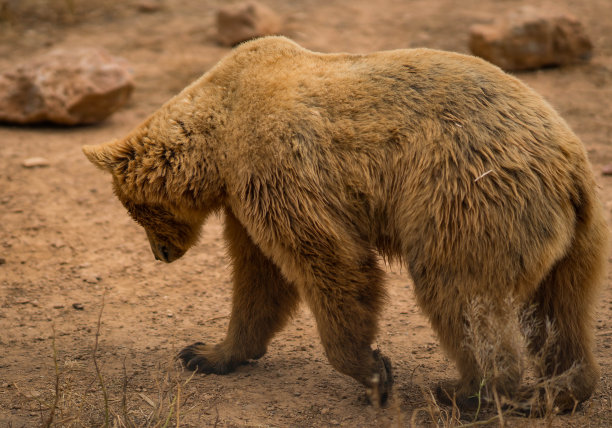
244,21
69,87
528,39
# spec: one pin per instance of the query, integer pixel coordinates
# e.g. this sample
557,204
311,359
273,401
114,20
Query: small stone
2,261
58,244
606,170
36,162
58,306
149,6
91,278
78,306
245,21
68,87
529,38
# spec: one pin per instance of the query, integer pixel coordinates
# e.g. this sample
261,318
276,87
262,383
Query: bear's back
277,87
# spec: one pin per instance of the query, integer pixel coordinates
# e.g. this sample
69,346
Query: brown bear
324,163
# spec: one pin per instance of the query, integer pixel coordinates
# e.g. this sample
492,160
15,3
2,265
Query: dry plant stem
499,409
178,405
98,372
217,417
480,423
455,412
128,421
482,384
413,371
414,415
216,318
170,411
431,399
49,420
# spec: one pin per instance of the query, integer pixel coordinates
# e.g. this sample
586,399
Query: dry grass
73,401
486,338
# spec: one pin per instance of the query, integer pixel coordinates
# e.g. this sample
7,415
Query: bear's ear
106,156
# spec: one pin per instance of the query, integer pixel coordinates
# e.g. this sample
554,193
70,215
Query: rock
244,21
78,306
607,170
68,87
528,39
35,162
148,6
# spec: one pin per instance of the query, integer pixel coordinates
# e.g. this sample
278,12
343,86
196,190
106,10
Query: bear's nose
164,253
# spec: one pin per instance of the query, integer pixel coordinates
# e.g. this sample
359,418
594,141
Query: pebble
607,170
78,306
35,162
148,6
91,278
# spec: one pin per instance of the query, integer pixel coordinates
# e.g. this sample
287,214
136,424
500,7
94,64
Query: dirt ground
69,252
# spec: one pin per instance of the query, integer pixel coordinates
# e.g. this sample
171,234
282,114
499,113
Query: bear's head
160,188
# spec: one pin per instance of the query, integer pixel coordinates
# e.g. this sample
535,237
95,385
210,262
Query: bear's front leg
345,295
262,302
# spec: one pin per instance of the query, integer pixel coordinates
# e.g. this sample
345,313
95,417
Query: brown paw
450,394
542,402
204,358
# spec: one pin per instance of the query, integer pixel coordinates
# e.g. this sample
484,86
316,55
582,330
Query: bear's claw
194,358
382,381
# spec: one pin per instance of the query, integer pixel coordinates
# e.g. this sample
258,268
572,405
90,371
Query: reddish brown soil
67,243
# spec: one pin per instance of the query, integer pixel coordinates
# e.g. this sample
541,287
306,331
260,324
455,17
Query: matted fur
323,162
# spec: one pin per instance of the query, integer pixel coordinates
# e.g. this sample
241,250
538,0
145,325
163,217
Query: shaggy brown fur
323,162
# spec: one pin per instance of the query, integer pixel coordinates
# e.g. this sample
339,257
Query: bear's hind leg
262,302
558,322
481,335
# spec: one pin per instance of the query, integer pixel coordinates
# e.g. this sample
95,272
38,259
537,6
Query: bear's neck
176,155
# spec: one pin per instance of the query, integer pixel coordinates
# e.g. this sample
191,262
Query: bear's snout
165,252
